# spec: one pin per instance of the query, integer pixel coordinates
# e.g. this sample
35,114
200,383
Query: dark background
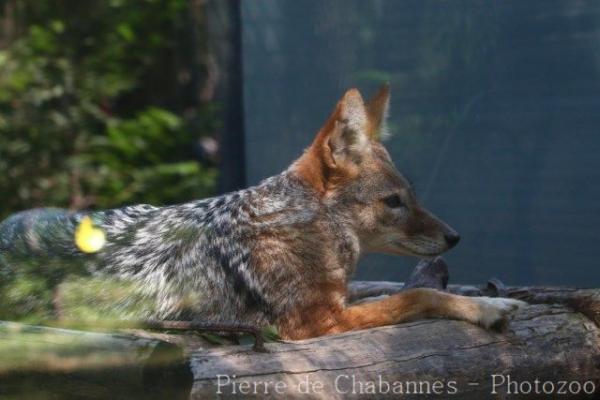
495,117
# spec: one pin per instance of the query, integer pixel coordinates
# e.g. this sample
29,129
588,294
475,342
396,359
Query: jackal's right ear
377,110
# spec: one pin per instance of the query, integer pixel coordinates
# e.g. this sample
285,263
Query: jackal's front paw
496,311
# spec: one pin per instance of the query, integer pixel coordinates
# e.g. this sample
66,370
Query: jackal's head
352,170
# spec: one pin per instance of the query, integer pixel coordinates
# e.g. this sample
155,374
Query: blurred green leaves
83,123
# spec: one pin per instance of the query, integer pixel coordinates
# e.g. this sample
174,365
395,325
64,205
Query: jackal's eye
393,201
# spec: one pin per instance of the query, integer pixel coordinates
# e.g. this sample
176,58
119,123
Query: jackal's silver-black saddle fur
193,260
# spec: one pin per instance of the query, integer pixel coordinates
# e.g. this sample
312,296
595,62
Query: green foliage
82,121
27,299
96,301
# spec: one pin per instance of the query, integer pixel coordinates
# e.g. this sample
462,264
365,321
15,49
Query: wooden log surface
549,343
554,340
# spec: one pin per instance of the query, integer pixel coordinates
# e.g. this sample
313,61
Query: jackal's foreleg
410,305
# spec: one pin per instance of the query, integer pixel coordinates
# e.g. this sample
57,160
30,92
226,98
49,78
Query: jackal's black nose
452,239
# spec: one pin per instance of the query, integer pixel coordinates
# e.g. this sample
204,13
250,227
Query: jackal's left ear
340,146
346,139
377,110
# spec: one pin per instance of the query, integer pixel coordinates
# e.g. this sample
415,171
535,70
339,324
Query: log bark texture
549,342
556,339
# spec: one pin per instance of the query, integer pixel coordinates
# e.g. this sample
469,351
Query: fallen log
547,344
551,346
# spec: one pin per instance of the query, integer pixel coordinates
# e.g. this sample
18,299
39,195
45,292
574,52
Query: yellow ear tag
88,238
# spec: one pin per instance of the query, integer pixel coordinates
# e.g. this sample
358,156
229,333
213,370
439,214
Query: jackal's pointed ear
377,110
337,152
345,134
